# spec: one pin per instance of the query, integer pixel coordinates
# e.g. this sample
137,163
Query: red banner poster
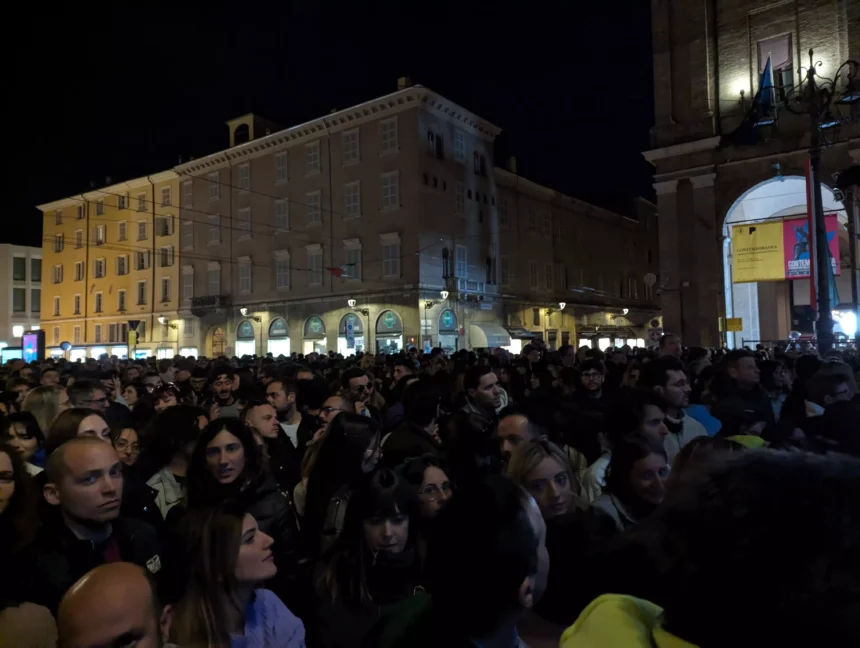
797,242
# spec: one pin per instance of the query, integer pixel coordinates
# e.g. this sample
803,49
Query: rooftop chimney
403,83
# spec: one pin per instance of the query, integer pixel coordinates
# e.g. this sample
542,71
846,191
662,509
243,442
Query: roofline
95,194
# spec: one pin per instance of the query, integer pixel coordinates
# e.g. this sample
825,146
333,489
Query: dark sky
125,92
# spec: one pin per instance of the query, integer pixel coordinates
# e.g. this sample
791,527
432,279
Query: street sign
132,338
133,324
734,324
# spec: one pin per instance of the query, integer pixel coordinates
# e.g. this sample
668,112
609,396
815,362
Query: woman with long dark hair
228,558
372,564
350,450
21,431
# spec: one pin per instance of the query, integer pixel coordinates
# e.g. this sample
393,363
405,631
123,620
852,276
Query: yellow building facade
110,258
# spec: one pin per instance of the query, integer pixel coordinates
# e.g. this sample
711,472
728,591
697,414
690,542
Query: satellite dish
650,279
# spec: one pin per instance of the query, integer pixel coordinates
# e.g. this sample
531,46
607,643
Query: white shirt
292,431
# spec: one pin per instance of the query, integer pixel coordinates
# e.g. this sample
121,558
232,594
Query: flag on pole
762,112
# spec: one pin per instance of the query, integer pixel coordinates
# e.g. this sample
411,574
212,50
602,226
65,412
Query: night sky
127,92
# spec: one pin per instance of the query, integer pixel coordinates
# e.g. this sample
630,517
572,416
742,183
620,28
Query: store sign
246,331
389,319
778,250
278,328
316,324
350,333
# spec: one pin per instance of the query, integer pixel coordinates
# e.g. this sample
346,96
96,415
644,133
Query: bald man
113,605
84,529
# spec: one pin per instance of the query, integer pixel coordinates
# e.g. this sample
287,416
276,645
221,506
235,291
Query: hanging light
244,311
350,303
444,294
561,305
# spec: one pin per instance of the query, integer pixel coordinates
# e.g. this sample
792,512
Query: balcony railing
206,303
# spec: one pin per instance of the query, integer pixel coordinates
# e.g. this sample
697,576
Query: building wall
702,59
29,284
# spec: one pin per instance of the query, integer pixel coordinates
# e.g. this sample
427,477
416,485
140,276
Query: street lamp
166,322
444,294
364,311
815,100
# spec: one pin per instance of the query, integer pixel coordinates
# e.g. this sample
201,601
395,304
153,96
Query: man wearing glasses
355,386
91,394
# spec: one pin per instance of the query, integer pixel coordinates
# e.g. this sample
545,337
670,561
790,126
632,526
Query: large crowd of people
661,497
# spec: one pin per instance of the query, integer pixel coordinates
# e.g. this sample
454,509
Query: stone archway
216,342
766,307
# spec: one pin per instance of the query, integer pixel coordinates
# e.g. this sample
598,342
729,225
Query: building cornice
379,108
676,150
118,188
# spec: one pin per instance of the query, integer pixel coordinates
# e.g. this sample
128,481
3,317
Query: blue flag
762,112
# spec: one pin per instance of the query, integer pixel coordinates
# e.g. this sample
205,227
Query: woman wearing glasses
432,487
126,443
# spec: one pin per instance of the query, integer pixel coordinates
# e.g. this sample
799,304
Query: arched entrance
350,335
449,331
771,308
279,338
314,335
389,332
246,340
216,342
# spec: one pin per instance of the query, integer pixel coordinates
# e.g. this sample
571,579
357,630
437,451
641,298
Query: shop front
449,331
389,332
350,335
314,335
246,343
279,338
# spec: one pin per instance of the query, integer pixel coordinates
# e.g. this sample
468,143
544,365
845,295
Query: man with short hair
403,367
84,487
417,434
197,382
113,605
224,403
740,402
484,394
666,377
20,386
356,387
88,394
281,394
514,430
49,377
670,345
284,459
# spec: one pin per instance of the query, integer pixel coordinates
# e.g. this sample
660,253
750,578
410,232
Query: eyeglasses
432,492
361,388
123,444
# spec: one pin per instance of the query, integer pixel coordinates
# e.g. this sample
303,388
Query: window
19,268
19,300
166,256
122,231
55,335
36,300
312,158
388,135
503,212
58,217
79,270
79,212
280,168
120,300
57,274
141,202
187,282
165,289
314,203
77,303
460,146
778,50
97,336
188,327
79,239
351,153
548,276
352,267
164,226
282,215
187,194
98,302
245,276
461,263
352,199
141,260
187,234
141,292
245,222
214,278
76,335
99,235
59,242
56,306
100,207
460,199
532,221
35,269
561,273
390,255
214,186
245,177
315,262
141,231
165,196
434,145
122,202
99,268
505,271
533,275
282,270
390,190
112,332
214,229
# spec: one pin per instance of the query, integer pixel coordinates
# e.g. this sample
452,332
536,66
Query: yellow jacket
619,621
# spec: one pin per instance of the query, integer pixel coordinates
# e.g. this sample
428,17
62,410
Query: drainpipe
152,264
86,267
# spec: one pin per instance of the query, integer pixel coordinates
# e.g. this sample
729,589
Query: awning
520,333
486,335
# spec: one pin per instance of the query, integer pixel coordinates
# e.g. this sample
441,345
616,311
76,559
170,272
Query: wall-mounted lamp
166,322
244,312
561,305
351,303
550,311
624,311
444,294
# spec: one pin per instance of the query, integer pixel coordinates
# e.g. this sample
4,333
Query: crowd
665,497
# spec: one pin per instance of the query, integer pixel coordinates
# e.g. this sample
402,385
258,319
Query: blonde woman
543,470
45,404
